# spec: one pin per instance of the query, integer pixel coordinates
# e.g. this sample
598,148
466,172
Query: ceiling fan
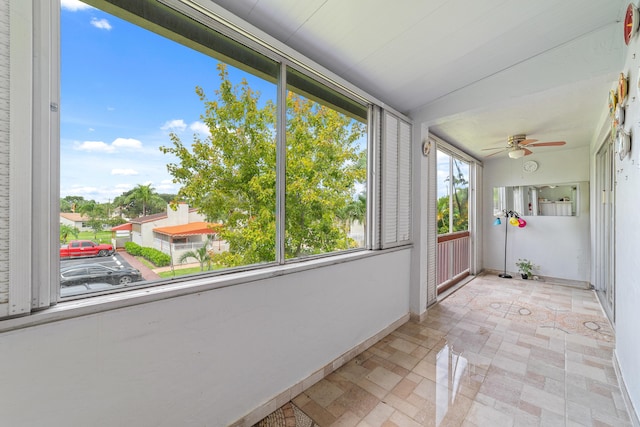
518,146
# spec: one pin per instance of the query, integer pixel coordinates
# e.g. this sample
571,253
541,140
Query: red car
85,248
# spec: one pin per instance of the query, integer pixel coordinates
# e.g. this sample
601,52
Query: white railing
452,257
190,246
167,248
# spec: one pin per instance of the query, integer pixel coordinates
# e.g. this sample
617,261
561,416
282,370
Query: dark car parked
97,273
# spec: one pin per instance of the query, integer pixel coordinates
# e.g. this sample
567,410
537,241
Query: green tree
145,197
443,215
201,255
230,176
98,214
73,203
67,230
323,165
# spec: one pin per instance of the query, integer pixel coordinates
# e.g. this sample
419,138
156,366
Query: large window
157,127
175,132
326,169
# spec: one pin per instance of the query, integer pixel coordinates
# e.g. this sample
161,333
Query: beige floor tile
403,345
348,419
543,399
404,360
483,415
324,392
379,414
384,378
402,420
494,353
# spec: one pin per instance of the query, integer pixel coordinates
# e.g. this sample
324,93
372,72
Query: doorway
604,229
453,208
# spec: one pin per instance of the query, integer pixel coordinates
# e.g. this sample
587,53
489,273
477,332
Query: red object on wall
630,23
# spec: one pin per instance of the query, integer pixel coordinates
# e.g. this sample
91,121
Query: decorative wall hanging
623,88
613,102
630,23
426,147
623,143
619,115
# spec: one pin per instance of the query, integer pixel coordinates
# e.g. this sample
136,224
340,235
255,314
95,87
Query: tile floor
497,352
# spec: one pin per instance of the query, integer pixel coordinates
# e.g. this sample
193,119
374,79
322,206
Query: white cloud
95,146
129,143
166,188
99,194
177,124
200,128
124,172
102,24
103,147
74,5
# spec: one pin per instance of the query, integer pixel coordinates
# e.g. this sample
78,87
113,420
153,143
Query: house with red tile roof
172,232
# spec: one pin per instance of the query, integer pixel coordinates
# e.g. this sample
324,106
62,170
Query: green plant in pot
525,267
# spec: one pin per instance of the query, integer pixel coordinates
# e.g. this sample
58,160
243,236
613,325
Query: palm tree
201,255
144,194
66,230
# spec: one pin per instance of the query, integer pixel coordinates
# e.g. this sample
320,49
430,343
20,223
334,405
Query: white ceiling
474,71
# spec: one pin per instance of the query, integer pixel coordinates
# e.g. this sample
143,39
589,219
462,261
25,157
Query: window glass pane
444,176
460,195
326,142
163,145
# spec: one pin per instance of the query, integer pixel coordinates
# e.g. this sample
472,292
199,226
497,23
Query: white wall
202,359
627,237
559,245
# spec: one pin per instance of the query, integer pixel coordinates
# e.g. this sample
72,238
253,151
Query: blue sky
123,89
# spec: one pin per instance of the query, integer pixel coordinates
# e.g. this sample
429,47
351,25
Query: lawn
102,236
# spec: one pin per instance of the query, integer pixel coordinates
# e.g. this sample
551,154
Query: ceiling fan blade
493,154
527,141
527,151
548,144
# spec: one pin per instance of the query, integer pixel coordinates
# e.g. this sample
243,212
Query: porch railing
453,259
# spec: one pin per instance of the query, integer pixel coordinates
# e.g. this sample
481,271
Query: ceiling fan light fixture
517,154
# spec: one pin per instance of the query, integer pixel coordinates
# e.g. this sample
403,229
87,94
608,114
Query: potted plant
525,267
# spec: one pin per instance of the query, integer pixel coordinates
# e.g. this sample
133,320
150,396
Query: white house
143,227
76,220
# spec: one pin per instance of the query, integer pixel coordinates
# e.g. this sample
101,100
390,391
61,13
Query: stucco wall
202,359
627,238
559,245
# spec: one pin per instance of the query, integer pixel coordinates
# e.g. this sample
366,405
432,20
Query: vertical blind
432,228
4,158
396,175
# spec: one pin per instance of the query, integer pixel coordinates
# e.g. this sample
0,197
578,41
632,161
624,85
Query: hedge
158,258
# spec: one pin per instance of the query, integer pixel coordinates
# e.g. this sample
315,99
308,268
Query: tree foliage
230,176
201,255
141,200
459,204
66,231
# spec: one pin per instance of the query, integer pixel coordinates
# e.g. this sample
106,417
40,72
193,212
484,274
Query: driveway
147,273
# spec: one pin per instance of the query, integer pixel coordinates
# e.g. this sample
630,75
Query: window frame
35,170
